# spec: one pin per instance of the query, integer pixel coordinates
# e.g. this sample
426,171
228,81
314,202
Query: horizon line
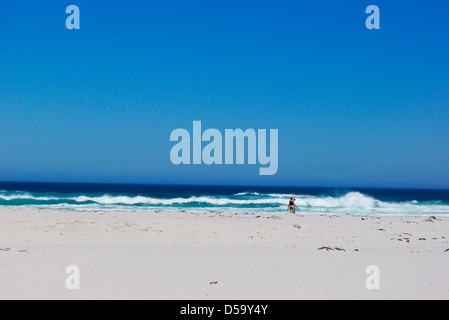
218,185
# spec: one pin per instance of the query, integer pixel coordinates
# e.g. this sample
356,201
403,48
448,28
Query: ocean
271,200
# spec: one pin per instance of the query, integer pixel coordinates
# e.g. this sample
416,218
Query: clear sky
353,107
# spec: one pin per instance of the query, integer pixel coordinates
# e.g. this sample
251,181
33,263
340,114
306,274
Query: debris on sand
432,219
297,226
9,250
331,249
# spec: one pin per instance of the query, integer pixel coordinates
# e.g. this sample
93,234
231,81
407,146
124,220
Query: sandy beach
167,255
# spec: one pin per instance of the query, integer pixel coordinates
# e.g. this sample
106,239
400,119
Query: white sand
147,255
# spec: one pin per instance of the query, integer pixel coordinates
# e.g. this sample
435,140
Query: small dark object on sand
330,249
432,219
297,226
356,250
213,283
447,250
422,239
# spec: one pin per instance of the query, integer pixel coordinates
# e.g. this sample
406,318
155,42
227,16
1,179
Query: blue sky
353,107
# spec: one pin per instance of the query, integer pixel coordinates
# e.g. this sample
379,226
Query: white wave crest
156,201
350,200
25,197
247,194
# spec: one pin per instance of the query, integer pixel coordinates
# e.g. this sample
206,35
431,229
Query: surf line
212,154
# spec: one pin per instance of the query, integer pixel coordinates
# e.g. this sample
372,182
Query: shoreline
230,213
182,255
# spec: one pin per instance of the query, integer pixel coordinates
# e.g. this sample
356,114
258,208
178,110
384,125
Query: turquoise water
223,199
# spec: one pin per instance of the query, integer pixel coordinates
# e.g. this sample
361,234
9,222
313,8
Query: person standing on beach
292,206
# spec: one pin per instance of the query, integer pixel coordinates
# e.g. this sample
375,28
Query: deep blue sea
224,199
